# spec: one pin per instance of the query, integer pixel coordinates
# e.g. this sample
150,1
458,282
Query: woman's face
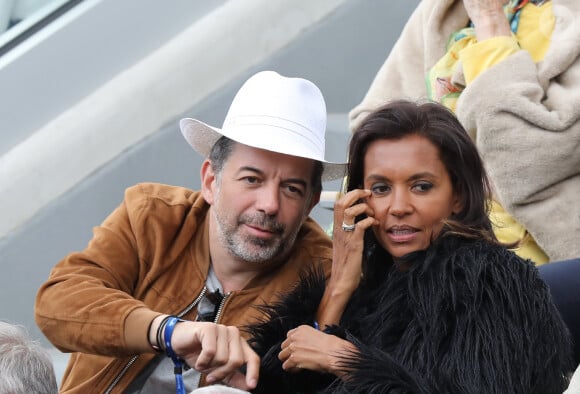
411,193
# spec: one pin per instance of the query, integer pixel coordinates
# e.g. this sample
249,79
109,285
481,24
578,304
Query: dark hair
224,146
458,153
316,180
219,153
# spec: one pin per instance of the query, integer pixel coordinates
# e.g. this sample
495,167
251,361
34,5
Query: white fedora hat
272,112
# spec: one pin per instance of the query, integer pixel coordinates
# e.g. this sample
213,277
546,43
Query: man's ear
315,200
208,179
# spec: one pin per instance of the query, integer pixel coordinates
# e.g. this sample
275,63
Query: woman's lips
402,234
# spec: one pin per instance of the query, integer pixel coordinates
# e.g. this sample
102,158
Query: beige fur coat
524,117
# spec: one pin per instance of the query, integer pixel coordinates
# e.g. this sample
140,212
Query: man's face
259,201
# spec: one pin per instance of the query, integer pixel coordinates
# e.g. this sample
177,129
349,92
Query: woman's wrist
331,307
340,291
338,357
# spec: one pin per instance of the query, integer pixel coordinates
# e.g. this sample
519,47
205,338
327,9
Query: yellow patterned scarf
440,87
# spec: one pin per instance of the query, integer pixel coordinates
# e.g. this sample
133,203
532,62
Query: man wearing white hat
170,262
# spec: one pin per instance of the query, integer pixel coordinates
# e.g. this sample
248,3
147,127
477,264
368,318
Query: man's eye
251,179
295,190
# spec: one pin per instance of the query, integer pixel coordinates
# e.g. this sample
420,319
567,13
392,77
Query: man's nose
268,199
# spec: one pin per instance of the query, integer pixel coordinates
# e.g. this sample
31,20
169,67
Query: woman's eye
380,189
423,186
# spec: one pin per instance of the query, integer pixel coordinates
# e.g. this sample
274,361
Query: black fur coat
467,317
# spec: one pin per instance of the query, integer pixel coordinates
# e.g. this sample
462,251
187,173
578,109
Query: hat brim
202,137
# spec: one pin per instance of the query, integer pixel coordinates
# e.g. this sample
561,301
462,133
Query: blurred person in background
25,366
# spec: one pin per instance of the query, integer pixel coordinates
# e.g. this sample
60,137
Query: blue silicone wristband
167,334
177,362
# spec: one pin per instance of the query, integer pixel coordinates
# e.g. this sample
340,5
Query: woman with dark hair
510,70
422,297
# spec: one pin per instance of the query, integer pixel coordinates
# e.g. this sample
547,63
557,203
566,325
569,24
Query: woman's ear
457,204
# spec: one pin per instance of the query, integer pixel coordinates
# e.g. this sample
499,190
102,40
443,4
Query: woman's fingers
349,200
348,239
348,208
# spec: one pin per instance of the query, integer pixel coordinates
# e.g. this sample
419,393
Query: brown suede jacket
151,252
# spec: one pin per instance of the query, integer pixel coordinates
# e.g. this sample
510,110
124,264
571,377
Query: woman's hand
347,253
488,18
218,351
348,245
308,348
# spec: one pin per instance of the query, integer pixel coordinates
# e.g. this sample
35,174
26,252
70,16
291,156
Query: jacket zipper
221,307
215,320
134,358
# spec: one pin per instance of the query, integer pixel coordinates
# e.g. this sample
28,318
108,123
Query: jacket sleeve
83,305
525,119
496,331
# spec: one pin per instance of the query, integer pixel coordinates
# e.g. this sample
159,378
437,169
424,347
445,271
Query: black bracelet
154,347
159,335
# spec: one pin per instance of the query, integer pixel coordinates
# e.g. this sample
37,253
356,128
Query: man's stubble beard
253,249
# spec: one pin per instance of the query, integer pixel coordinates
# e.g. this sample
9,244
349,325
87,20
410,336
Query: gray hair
25,366
219,154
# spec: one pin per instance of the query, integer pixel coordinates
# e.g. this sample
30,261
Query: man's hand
218,351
